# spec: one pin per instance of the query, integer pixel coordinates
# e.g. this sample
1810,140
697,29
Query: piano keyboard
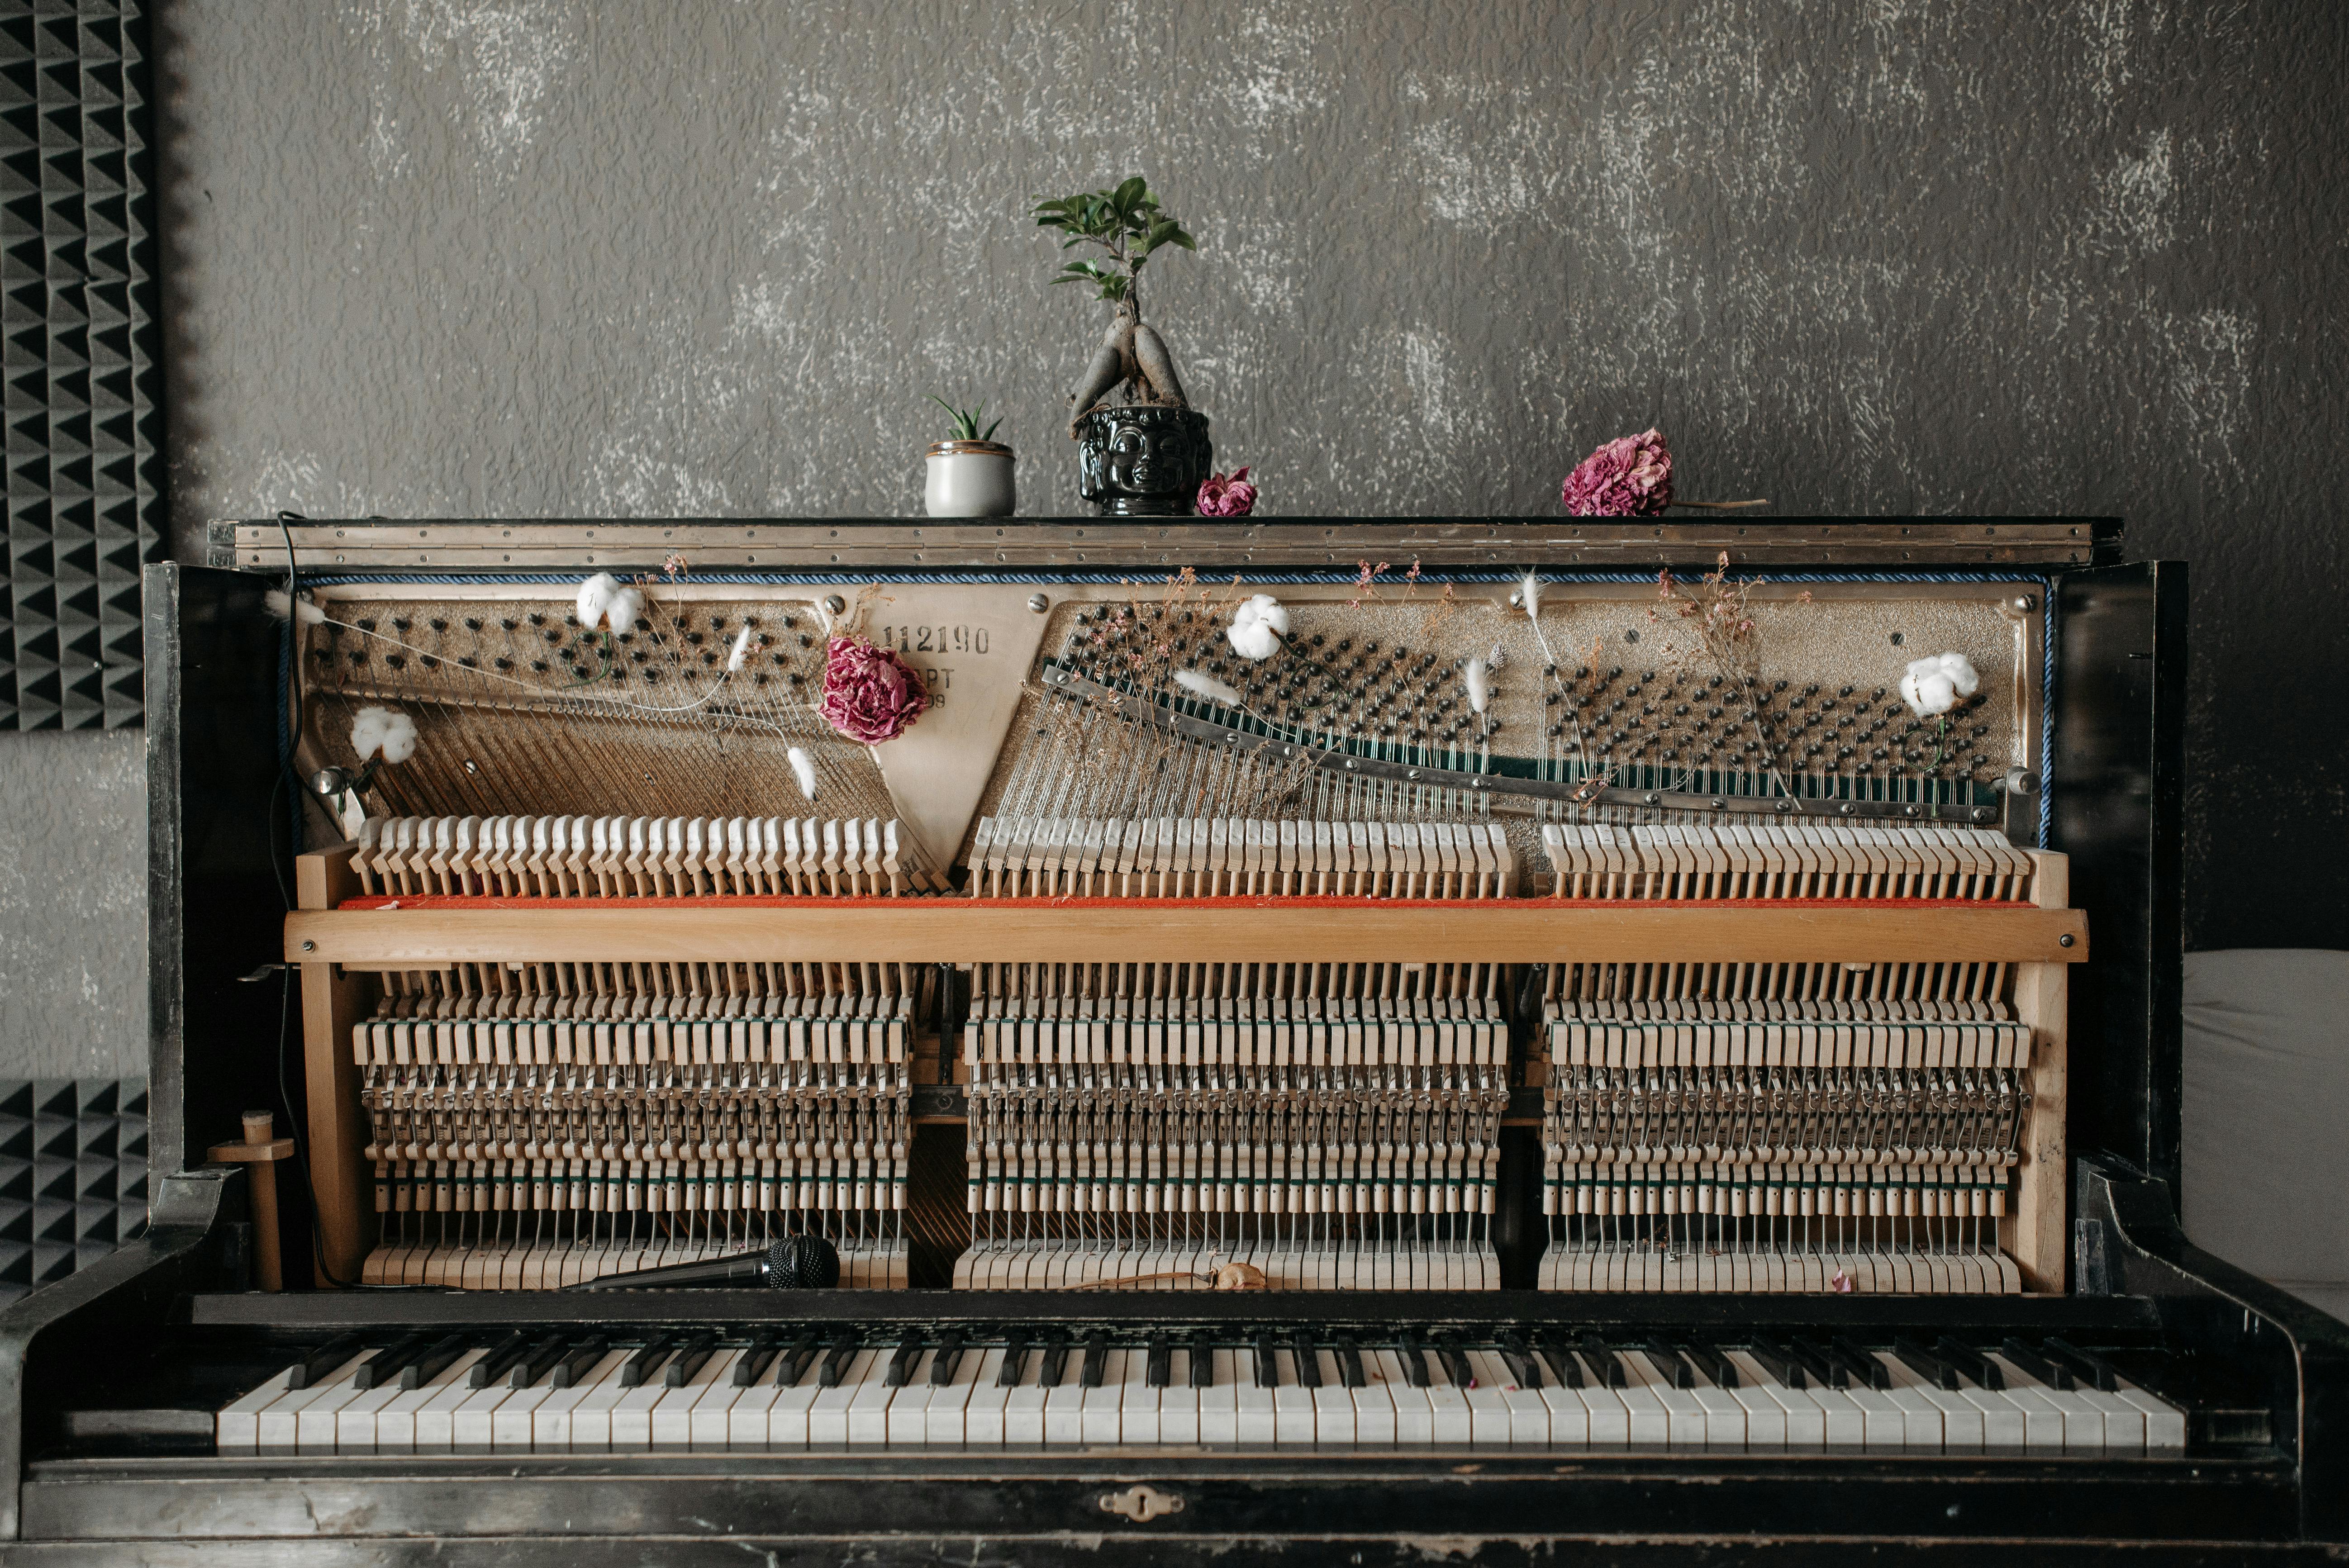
572,1391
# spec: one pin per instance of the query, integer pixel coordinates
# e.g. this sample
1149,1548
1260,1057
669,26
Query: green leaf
1134,190
992,429
1179,238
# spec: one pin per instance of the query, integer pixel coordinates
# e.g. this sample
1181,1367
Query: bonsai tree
1128,224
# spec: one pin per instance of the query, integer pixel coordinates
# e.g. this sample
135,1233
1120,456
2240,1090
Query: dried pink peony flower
870,695
1629,477
1226,497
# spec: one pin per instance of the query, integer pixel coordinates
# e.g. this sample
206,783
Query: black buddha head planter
1143,461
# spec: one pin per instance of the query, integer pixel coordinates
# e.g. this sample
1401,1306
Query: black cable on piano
295,1126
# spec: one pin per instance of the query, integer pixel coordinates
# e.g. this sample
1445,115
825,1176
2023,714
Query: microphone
794,1262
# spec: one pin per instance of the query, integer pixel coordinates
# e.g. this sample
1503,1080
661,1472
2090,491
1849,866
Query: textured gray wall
678,256
73,904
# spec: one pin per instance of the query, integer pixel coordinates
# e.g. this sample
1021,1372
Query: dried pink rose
1629,477
1223,497
870,695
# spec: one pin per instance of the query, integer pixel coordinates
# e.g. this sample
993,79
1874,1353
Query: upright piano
1367,1039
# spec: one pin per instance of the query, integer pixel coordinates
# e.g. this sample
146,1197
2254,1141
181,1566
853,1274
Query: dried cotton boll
802,769
627,605
1257,626
1933,687
596,596
383,729
1479,677
1208,686
741,651
284,606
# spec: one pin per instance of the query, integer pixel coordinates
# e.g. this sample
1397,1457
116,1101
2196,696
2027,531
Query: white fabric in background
2266,1115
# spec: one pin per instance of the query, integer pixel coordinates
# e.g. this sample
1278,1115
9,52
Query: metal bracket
1141,1503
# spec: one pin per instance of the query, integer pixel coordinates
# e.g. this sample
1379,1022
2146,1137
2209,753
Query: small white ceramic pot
969,479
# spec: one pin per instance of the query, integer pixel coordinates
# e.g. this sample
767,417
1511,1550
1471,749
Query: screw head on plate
1038,603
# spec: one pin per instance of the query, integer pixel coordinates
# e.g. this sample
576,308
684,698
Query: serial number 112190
934,639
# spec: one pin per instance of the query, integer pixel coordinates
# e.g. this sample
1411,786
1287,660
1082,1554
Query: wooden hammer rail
1204,931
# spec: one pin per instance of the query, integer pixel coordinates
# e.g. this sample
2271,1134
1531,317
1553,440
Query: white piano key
2165,1423
1023,1412
1885,1423
1454,1421
1178,1403
790,1414
674,1418
2083,1423
435,1418
1292,1402
1374,1405
1765,1415
1257,1418
1100,1416
1724,1414
1333,1405
868,1406
1929,1412
2002,1420
944,1417
632,1414
1064,1403
1414,1412
471,1422
551,1423
1799,1424
355,1423
1528,1416
908,1421
591,1417
1846,1422
514,1424
1922,1428
1685,1415
2123,1422
236,1426
314,1419
1139,1404
1652,1418
827,1413
982,1413
1610,1418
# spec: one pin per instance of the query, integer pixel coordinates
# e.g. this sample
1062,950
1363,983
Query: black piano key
536,1359
494,1362
1158,1371
2090,1368
902,1360
1519,1356
757,1356
1349,1364
691,1358
1413,1357
1203,1360
1564,1365
647,1360
1268,1364
1603,1362
1309,1359
2054,1374
1449,1351
1708,1360
322,1360
438,1359
793,1364
1015,1357
1055,1362
385,1364
1925,1363
1096,1361
1861,1361
1670,1362
1824,1369
1777,1362
949,1357
836,1359
580,1360
1970,1361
